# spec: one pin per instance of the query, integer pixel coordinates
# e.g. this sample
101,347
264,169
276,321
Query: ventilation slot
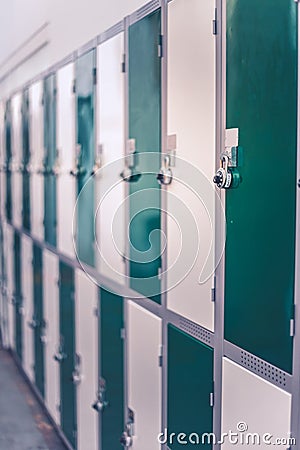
263,369
196,331
147,9
111,32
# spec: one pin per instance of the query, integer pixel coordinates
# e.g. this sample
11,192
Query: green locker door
18,295
38,318
190,383
66,355
145,128
111,369
49,101
25,162
85,100
262,103
8,132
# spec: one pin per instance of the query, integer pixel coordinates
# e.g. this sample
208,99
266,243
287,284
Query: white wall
71,23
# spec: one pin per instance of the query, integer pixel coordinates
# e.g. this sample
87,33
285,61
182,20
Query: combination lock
226,177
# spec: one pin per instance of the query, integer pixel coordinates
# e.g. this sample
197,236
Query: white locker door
144,338
66,188
254,405
37,150
86,294
110,189
191,117
17,160
51,314
9,250
27,288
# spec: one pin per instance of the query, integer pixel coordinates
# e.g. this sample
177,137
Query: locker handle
126,438
99,405
32,324
59,357
76,377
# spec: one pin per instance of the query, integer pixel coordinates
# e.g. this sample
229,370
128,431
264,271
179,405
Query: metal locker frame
4,317
91,46
50,158
17,152
86,371
111,368
143,333
10,283
110,130
25,167
130,20
51,313
8,161
65,355
222,348
2,160
36,162
65,138
190,198
296,359
27,291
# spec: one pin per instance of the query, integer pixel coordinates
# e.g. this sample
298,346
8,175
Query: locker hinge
292,323
213,291
123,64
211,399
123,333
215,23
96,312
95,75
74,87
160,356
159,273
58,407
292,327
160,46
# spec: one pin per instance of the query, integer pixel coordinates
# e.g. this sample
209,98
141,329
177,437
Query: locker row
110,157
97,363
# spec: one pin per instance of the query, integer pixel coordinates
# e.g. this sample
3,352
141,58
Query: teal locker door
145,128
8,131
111,369
190,383
49,101
85,100
25,162
66,354
262,103
18,295
38,319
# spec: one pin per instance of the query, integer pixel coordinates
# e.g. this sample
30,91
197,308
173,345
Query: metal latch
98,160
227,176
100,403
165,174
130,174
60,355
126,438
77,170
76,375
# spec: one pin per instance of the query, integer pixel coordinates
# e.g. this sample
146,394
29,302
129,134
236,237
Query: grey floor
23,423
